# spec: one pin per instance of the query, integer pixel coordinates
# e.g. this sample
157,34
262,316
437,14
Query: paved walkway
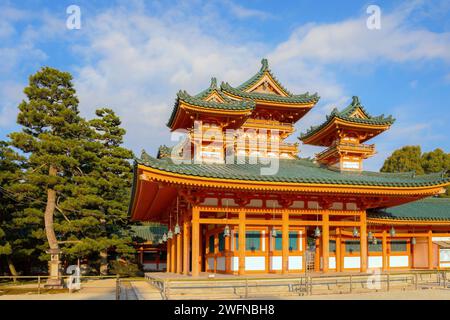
104,289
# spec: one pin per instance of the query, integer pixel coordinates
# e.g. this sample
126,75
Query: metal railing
253,287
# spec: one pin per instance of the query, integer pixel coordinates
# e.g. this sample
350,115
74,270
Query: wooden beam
195,241
241,237
225,221
291,211
285,242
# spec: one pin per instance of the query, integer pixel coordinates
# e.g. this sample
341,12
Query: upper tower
344,133
262,108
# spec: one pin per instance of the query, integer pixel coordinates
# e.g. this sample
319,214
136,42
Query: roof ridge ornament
213,84
355,100
264,64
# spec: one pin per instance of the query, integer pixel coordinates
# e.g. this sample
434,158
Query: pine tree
114,183
53,135
20,222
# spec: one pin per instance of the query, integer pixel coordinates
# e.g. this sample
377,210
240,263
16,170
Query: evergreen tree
20,223
410,158
54,136
405,159
114,179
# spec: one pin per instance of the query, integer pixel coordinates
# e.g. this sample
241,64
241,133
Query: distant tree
410,158
404,160
435,161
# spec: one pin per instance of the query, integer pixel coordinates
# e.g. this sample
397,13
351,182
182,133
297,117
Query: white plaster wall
221,263
211,264
332,262
275,263
255,263
235,263
295,262
398,261
375,262
352,262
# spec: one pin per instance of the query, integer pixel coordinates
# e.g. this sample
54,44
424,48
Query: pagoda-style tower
344,133
261,108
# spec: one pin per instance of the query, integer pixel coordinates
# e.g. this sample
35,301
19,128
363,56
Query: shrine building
225,214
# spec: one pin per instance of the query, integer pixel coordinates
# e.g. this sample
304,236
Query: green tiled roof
293,171
290,98
300,98
264,68
198,100
429,209
152,232
345,115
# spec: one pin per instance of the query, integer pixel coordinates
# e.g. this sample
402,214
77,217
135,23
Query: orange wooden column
179,251
285,242
228,254
241,236
430,249
363,241
185,247
384,253
195,241
317,256
338,250
169,256
173,254
325,241
216,251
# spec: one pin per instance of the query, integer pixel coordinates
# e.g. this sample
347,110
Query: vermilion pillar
195,241
325,242
384,248
169,256
173,255
430,249
317,256
338,250
363,241
185,247
241,236
179,256
285,242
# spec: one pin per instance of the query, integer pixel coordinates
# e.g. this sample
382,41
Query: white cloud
142,61
244,13
350,41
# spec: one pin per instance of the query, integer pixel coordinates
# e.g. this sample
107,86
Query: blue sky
133,56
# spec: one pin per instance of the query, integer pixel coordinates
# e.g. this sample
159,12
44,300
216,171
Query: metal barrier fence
160,287
252,287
